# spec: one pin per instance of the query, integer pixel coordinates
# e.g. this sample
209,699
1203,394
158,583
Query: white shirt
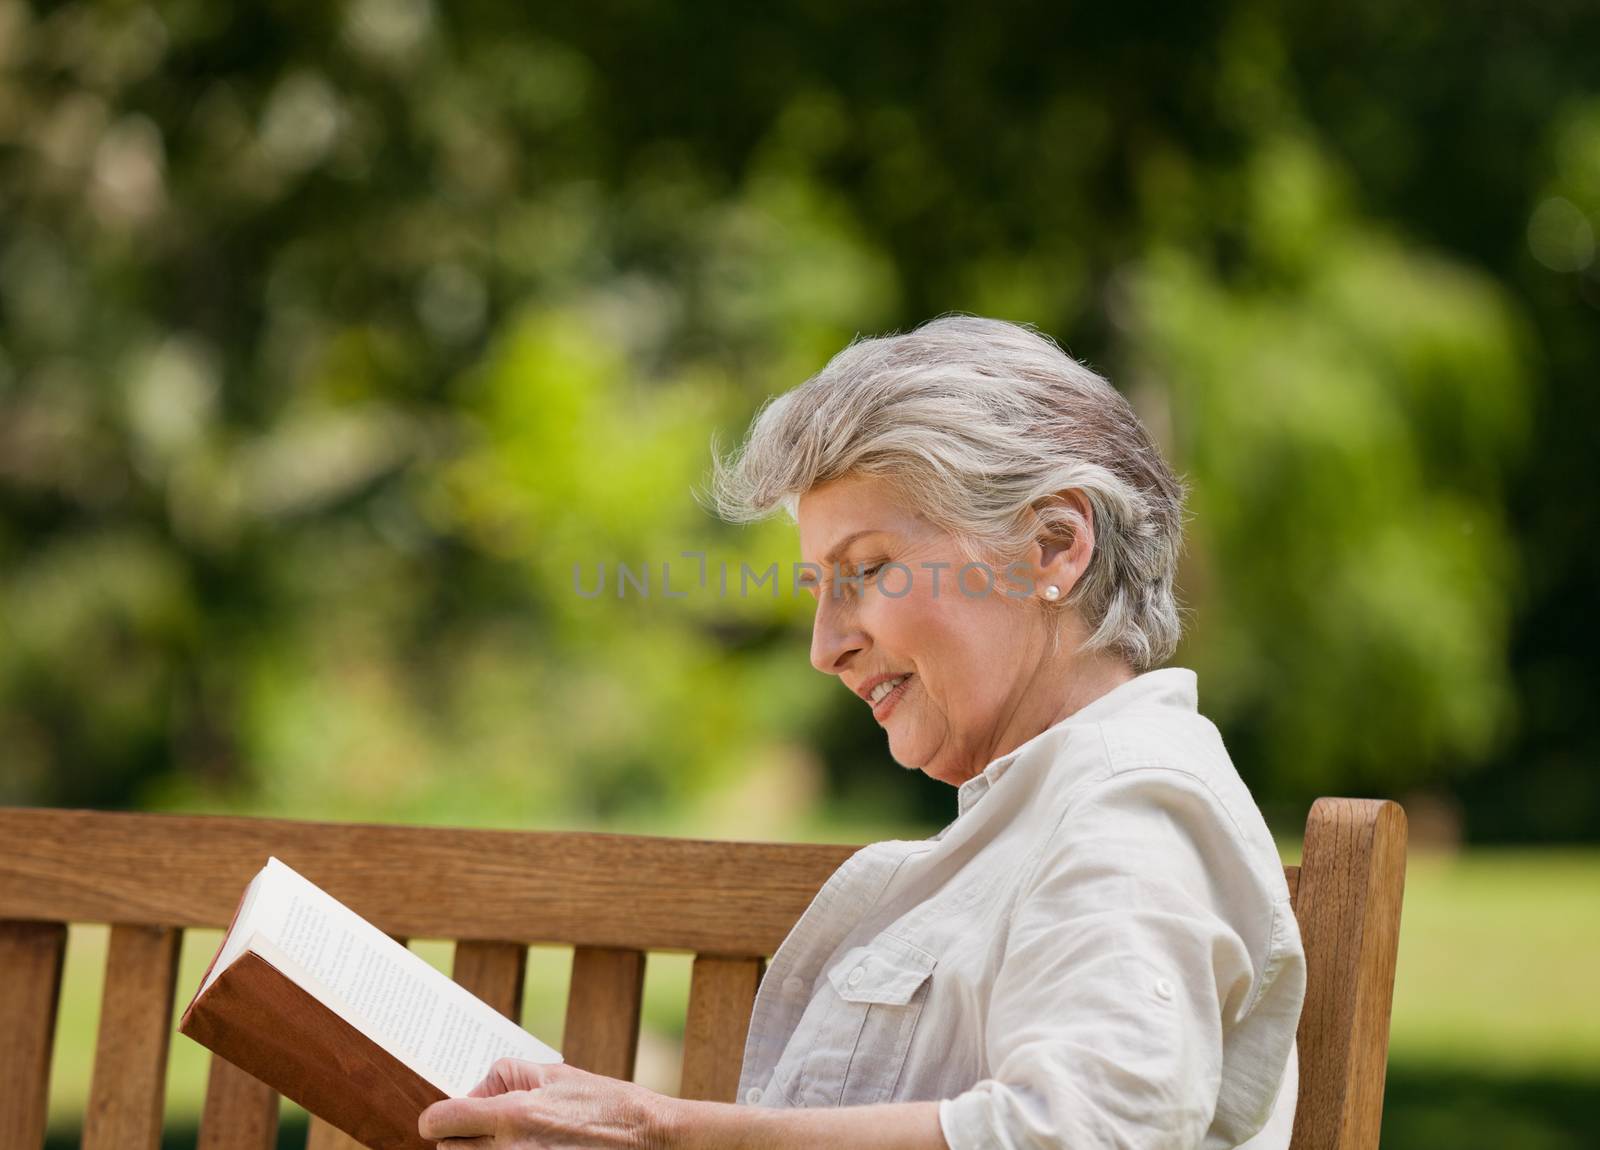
1099,951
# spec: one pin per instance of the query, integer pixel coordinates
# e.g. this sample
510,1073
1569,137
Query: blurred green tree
333,336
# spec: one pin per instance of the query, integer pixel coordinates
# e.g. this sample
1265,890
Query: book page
239,931
396,998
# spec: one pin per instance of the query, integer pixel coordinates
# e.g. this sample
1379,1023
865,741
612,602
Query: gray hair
978,424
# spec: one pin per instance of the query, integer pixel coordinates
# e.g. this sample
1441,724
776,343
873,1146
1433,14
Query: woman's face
977,682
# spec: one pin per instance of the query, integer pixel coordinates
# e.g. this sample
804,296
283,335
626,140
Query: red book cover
271,1012
259,1019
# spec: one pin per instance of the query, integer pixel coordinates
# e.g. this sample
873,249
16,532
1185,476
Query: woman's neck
1059,689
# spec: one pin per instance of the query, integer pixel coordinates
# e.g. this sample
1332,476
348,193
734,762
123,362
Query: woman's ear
1062,553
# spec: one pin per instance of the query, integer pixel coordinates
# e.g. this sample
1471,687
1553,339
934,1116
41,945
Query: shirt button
793,986
856,976
1163,988
753,1095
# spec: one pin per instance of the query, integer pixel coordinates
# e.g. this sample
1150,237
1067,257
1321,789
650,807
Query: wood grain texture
602,1028
1352,877
612,897
494,971
241,1112
583,889
30,985
722,992
323,1136
128,1086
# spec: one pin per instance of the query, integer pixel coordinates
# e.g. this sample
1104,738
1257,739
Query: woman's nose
835,637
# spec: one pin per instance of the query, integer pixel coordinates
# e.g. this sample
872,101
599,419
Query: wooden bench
611,897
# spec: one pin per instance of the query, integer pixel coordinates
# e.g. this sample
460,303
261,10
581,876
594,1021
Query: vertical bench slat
1352,876
722,993
241,1112
127,1088
602,1028
30,984
494,972
325,1137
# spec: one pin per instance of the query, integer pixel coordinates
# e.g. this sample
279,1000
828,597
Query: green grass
1498,956
1495,1040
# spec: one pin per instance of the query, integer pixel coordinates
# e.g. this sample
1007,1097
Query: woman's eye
868,570
850,578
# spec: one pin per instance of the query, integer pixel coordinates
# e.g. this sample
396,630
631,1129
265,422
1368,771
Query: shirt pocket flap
886,970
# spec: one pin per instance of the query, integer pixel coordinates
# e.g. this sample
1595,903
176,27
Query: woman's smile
884,702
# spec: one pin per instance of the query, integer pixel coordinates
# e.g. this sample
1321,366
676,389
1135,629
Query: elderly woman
1099,951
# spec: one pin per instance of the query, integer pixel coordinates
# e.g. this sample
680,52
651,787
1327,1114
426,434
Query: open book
319,1004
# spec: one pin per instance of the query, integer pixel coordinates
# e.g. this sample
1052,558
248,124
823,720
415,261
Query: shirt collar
1173,687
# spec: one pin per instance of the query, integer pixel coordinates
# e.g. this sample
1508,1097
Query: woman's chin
903,751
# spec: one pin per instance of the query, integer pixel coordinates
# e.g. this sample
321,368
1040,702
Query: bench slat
602,1028
493,971
722,992
127,1088
1348,906
31,954
241,1112
325,1137
571,888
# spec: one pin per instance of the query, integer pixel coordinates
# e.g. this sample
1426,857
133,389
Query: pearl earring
1052,592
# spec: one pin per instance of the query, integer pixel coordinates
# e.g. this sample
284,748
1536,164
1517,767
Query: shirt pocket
865,1012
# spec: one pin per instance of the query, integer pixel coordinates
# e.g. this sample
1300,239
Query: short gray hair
975,422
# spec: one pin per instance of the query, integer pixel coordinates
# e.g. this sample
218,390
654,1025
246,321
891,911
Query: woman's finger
509,1074
461,1118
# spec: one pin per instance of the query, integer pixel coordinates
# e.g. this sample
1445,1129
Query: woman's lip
886,704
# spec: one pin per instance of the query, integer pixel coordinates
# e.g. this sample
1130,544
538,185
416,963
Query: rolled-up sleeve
1127,956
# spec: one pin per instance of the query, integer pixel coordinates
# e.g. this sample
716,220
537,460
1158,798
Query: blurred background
334,335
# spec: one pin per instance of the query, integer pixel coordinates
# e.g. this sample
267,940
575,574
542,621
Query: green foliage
1346,411
333,337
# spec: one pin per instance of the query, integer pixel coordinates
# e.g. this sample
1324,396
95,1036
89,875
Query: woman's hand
534,1106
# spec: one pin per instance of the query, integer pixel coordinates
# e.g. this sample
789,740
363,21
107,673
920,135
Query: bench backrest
613,898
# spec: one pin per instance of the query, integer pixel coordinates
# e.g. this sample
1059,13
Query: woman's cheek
901,623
